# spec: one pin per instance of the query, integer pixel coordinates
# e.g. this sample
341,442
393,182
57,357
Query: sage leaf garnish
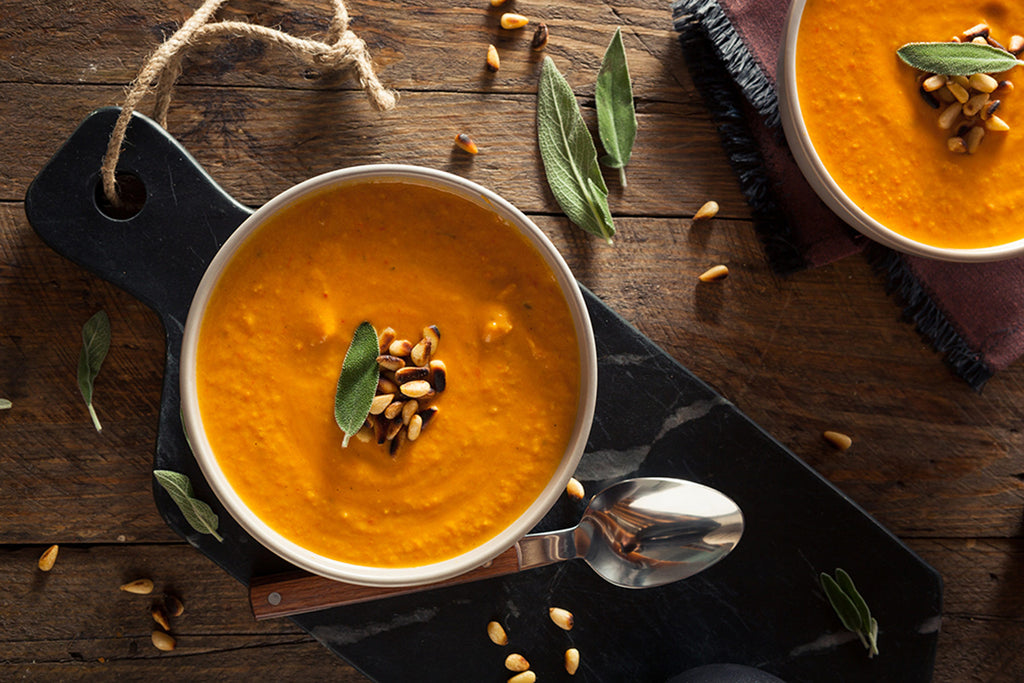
95,344
358,381
569,155
957,59
851,609
5,404
616,116
198,514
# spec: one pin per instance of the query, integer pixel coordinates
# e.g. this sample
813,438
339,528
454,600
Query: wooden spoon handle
298,592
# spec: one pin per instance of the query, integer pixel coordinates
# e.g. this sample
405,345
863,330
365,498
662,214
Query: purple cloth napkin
972,314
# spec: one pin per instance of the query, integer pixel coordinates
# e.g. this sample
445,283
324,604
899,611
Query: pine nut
949,116
959,91
525,677
713,273
410,409
497,3
163,641
496,633
957,145
380,402
138,586
977,31
1016,45
493,61
974,138
387,335
465,143
1005,87
420,354
389,362
562,617
438,375
572,661
160,617
983,83
934,82
708,210
396,442
175,607
513,21
427,414
838,439
415,427
516,662
393,428
416,388
48,558
989,110
996,124
575,489
975,103
980,40
540,37
394,410
400,348
411,373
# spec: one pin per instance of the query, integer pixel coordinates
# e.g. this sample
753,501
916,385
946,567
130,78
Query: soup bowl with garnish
926,163
483,394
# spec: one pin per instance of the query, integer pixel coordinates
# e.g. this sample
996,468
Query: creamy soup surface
397,254
881,142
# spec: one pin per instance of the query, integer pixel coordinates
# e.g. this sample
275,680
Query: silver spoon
646,532
637,533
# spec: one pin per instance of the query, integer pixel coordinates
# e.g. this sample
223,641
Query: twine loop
342,49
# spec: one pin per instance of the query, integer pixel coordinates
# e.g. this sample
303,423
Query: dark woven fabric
972,314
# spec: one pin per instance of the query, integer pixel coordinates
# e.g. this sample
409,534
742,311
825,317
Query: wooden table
938,464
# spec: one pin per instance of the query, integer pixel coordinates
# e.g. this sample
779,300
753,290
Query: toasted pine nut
138,586
540,37
575,489
497,3
387,335
411,373
957,145
980,40
397,440
415,427
427,414
516,662
438,375
1016,45
493,61
949,115
990,109
389,362
175,607
572,660
1004,88
934,82
838,439
420,354
400,348
975,103
410,408
386,386
707,210
959,91
380,402
974,137
393,428
978,30
513,21
983,83
496,633
394,410
48,558
465,143
160,617
562,617
163,641
416,388
713,273
996,124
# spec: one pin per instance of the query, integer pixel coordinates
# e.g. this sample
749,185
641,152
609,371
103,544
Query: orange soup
406,256
880,140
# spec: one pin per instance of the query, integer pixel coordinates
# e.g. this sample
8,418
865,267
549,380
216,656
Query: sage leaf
569,155
957,59
851,609
95,345
616,116
358,381
198,514
5,404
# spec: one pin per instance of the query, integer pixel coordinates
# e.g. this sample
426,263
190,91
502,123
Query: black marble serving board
760,606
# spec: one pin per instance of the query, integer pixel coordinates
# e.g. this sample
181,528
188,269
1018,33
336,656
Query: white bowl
826,187
391,576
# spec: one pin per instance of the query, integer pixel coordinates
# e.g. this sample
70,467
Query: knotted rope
342,49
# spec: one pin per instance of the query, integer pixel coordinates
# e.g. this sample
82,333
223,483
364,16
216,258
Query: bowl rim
818,176
390,576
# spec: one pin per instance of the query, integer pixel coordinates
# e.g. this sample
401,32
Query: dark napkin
972,314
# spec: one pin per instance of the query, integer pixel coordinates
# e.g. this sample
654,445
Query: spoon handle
298,592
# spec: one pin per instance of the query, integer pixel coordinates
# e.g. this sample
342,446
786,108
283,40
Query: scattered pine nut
516,662
497,3
983,82
974,138
138,587
496,633
400,347
949,115
708,210
934,82
1016,45
416,389
572,660
562,617
465,143
540,37
959,91
493,61
380,402
957,145
575,489
977,31
525,677
48,558
415,427
719,272
513,21
163,641
160,617
975,103
838,439
994,123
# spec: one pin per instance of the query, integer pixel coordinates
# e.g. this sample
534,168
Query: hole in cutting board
133,197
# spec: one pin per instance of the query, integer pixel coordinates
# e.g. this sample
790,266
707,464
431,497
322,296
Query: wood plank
436,46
